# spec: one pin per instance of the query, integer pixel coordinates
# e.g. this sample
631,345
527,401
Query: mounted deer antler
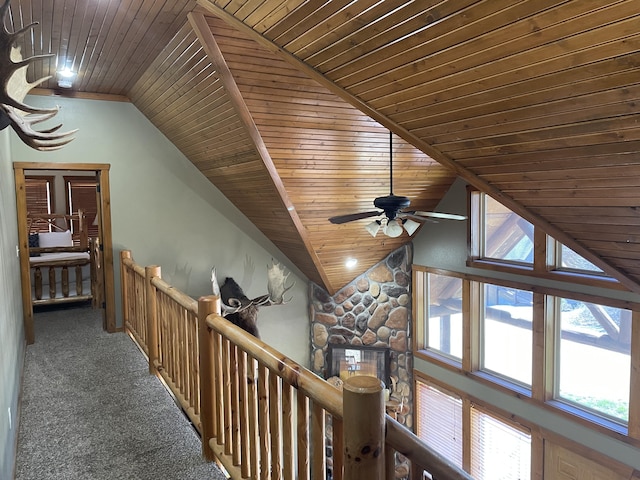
14,87
241,310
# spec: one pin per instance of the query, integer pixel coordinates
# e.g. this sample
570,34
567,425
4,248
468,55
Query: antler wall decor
14,87
243,311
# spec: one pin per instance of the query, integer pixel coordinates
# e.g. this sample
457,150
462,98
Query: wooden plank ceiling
285,105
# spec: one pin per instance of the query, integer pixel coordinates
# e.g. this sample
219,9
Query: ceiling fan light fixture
410,226
373,227
393,229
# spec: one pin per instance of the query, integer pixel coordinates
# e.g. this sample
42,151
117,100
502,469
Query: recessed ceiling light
66,73
351,262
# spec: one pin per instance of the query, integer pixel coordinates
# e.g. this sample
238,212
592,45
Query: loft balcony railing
261,415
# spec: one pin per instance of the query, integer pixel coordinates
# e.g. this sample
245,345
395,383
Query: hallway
90,410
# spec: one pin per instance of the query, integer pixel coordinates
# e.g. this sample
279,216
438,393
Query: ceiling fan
396,217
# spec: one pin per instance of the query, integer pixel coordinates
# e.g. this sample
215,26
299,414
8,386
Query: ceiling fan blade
415,217
354,216
446,216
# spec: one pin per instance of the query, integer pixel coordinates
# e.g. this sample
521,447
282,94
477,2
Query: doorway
103,221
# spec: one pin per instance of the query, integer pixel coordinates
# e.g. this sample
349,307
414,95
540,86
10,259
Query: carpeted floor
91,411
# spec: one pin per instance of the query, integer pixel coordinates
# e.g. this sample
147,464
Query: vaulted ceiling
285,105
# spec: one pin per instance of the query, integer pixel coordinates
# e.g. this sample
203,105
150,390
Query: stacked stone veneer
375,310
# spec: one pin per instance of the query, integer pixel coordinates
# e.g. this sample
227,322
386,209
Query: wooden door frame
104,209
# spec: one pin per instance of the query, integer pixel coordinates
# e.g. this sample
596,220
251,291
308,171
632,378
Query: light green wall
444,245
167,213
12,343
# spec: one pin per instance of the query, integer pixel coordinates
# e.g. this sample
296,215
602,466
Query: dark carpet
91,411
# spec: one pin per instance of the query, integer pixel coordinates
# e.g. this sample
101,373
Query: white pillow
55,239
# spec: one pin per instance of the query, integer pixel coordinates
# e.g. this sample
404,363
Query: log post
206,306
363,422
151,316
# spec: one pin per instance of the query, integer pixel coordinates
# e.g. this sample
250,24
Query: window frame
41,179
545,254
90,213
470,402
541,392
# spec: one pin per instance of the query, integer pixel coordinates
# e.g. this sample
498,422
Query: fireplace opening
344,361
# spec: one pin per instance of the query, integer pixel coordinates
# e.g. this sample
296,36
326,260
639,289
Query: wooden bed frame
56,254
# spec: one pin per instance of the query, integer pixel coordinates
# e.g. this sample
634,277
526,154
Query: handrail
180,298
421,456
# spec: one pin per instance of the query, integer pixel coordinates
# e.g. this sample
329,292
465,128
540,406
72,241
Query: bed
64,267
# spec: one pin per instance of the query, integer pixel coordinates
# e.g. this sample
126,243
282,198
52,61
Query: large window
548,343
506,338
443,310
593,357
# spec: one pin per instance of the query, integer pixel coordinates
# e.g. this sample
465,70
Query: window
40,195
81,195
498,233
582,361
593,357
502,240
444,326
498,450
564,259
439,422
506,339
491,449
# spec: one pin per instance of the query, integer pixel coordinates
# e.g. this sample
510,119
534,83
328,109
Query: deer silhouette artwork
243,311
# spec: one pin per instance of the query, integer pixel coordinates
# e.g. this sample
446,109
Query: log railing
260,414
68,275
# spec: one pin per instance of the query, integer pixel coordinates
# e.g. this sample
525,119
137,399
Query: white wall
167,213
12,342
444,245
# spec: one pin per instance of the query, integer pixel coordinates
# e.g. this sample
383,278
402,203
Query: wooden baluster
226,390
64,278
193,361
252,368
263,423
274,426
338,448
235,404
318,442
37,280
245,438
288,447
52,282
181,357
218,378
303,436
364,422
79,286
